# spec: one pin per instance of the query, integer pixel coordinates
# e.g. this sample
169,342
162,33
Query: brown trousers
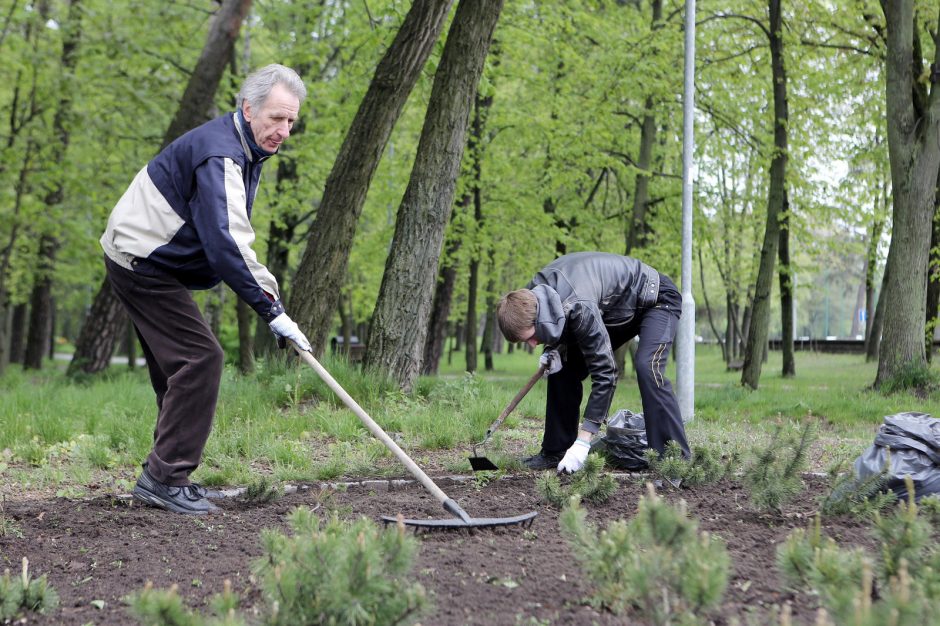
185,362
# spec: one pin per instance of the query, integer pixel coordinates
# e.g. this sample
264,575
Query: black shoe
182,499
543,461
208,492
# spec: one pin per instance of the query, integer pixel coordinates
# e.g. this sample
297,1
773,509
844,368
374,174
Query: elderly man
184,224
583,306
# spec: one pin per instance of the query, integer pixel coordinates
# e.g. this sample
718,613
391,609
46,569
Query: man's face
529,337
272,122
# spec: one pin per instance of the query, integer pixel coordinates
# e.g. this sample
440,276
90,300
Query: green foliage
904,536
591,483
851,496
262,490
808,559
338,573
165,607
706,466
773,476
911,376
657,564
24,594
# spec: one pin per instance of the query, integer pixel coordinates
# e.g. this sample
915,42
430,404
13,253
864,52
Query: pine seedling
590,483
857,497
704,468
657,564
337,572
810,560
23,593
165,607
773,477
904,535
262,490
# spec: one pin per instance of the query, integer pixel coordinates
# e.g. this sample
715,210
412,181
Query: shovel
481,463
461,519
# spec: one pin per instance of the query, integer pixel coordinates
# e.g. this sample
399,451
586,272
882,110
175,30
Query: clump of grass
24,594
591,483
911,376
706,466
658,564
773,476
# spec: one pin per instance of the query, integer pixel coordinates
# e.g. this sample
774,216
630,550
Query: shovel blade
481,463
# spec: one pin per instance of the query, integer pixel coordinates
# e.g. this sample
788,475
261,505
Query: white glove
551,359
283,326
574,457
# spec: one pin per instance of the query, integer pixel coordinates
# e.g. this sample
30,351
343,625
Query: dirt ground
98,550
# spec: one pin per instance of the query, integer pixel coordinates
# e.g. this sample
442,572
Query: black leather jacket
579,295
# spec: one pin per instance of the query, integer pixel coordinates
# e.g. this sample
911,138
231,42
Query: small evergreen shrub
590,483
773,475
706,466
262,490
165,607
852,496
904,536
657,564
24,594
809,560
338,573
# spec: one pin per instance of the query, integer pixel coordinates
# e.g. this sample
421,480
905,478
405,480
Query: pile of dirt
97,551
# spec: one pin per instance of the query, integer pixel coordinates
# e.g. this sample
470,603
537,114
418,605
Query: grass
284,423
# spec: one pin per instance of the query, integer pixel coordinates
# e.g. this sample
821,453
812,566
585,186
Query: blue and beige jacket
187,213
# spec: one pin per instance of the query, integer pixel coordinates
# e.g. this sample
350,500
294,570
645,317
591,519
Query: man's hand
283,326
574,457
551,360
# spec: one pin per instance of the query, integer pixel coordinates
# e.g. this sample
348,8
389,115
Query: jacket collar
550,316
253,150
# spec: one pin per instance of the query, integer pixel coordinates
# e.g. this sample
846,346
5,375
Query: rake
461,519
481,463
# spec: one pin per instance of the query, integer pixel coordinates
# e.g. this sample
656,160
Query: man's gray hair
258,85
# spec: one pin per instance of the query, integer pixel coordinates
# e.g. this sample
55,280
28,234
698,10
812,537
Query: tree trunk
217,51
786,292
470,321
97,338
18,333
874,311
40,311
322,268
399,323
440,311
130,344
776,196
280,234
933,280
913,127
246,357
873,349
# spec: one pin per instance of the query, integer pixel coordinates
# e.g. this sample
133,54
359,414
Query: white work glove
551,360
285,327
574,457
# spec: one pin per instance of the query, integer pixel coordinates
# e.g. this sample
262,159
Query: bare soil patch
101,549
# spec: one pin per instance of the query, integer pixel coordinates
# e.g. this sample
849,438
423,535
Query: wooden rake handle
513,403
373,427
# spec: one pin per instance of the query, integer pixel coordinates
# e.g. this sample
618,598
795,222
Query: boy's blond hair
515,313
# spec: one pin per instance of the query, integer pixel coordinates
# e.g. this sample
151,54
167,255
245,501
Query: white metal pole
685,339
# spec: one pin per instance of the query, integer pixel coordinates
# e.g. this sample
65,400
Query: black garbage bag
907,444
624,443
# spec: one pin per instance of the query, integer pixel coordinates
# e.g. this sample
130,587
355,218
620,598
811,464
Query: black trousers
185,362
656,328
